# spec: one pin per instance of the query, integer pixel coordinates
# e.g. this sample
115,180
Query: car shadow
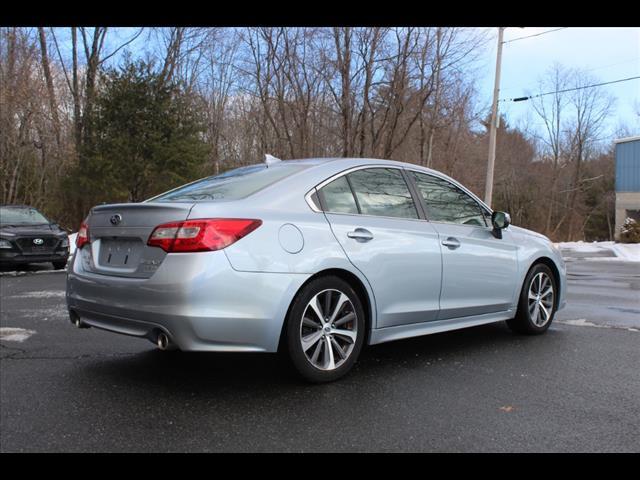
211,374
29,267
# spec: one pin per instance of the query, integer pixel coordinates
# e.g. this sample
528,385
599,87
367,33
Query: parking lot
577,388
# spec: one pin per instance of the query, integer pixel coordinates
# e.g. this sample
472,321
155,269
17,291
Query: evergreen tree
146,138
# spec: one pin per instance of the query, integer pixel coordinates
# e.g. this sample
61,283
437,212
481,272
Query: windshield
21,216
231,185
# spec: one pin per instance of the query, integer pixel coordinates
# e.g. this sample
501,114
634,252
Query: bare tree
591,106
217,86
573,122
82,83
550,109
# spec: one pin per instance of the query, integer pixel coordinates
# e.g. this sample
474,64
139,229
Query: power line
522,99
613,64
534,35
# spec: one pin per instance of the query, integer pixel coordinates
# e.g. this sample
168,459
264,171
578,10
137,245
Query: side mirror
499,221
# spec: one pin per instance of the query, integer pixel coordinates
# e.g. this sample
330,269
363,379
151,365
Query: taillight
82,236
201,235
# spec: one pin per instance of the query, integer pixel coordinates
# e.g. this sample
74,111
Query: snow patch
15,334
583,322
20,273
584,247
41,294
628,252
45,314
72,243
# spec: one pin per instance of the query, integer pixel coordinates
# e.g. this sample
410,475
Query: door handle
451,242
360,235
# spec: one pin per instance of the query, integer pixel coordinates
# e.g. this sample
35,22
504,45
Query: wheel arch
556,276
355,282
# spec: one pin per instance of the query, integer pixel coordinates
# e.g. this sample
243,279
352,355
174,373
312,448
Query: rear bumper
197,299
10,257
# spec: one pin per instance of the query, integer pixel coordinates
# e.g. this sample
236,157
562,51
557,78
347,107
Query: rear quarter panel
268,250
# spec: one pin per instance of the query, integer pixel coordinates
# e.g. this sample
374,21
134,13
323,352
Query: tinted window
338,198
231,185
446,202
383,192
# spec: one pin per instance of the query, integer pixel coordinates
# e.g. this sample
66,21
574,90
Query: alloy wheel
540,299
329,329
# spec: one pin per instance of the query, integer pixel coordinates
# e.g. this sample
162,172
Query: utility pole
488,190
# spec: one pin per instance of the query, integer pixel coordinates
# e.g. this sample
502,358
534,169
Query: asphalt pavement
576,388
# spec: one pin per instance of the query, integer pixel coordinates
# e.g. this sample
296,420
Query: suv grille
48,244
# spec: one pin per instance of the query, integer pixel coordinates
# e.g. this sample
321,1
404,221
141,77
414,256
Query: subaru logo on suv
38,241
116,219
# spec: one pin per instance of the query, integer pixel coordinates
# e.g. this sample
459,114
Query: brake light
82,236
201,235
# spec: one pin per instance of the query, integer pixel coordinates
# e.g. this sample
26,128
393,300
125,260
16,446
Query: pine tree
146,138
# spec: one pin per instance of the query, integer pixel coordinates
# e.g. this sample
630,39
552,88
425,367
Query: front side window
382,192
446,202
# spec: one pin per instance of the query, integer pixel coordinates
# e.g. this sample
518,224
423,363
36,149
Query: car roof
348,162
324,168
337,164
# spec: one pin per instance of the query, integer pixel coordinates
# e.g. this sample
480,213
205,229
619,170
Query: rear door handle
360,235
451,242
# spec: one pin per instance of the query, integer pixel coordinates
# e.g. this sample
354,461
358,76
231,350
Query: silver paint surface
236,299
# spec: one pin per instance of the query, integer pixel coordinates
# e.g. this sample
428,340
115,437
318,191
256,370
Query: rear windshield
231,185
21,216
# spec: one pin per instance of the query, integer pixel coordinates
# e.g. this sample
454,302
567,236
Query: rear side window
338,197
231,185
382,192
446,202
373,191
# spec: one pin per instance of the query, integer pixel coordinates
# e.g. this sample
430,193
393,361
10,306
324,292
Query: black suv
27,236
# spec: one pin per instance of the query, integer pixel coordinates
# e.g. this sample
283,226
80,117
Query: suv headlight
5,243
65,242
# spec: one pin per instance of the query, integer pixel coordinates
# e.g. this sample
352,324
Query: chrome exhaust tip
75,319
163,341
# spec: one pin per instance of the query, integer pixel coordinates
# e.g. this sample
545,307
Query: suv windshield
21,216
231,185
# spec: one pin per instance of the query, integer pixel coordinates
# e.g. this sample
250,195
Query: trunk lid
119,234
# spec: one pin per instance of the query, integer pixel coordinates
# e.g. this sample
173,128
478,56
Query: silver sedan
311,257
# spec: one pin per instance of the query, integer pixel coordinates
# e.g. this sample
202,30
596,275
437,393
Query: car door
479,271
376,221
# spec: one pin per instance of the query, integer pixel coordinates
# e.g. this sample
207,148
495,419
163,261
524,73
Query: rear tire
537,303
325,329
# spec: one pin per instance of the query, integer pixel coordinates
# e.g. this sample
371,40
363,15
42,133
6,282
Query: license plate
120,253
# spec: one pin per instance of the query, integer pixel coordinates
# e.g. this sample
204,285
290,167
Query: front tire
537,304
59,265
325,329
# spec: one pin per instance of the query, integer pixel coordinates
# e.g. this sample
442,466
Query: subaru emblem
116,219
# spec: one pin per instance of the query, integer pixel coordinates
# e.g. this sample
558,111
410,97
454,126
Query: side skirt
388,334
